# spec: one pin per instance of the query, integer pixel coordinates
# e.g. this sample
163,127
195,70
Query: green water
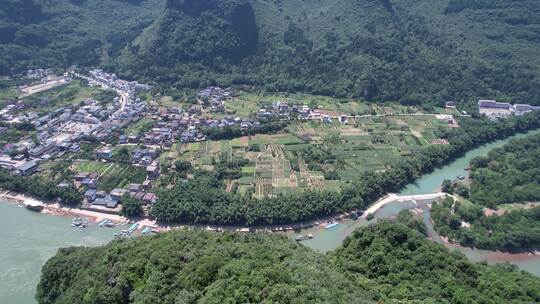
27,240
430,182
325,240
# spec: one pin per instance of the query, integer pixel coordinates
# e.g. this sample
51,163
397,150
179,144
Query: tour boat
331,225
304,237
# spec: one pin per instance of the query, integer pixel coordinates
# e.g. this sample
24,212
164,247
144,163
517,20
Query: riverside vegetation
508,175
388,262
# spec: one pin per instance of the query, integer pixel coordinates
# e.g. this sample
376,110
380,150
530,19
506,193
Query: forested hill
195,267
386,263
413,51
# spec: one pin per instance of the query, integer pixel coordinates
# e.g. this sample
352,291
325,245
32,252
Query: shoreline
490,255
56,209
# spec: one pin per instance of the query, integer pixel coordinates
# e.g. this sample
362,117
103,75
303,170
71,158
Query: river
28,239
325,240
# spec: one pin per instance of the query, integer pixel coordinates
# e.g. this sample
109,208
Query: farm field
142,125
371,143
248,103
113,175
314,155
92,166
71,94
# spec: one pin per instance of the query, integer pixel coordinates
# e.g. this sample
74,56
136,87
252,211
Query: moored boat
79,223
107,223
304,237
331,225
34,207
146,230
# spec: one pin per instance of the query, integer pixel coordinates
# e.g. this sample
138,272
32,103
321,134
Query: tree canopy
389,262
374,50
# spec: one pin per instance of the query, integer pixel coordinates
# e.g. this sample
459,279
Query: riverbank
56,209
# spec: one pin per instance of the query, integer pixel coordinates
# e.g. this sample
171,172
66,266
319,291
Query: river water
325,240
28,239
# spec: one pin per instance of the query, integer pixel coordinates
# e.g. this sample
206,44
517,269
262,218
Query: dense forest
513,231
203,200
412,51
389,263
507,175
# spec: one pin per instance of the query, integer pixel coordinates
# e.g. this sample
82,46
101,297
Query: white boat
331,225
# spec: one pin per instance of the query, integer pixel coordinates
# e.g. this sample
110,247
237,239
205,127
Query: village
126,135
61,131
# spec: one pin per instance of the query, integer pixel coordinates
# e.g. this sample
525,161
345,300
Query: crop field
370,143
142,125
113,175
288,162
119,176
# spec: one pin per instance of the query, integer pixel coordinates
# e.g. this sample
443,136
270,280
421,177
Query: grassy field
113,175
92,166
119,176
142,125
71,94
243,105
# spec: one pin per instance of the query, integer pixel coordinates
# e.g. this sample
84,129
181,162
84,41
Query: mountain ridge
412,51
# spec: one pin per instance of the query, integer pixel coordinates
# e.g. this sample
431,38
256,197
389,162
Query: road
124,96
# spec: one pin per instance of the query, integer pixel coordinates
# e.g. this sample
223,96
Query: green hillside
195,267
40,33
413,51
387,263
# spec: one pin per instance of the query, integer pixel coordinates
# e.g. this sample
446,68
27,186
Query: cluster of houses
59,131
104,79
283,110
494,110
173,124
19,164
103,201
214,98
38,73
